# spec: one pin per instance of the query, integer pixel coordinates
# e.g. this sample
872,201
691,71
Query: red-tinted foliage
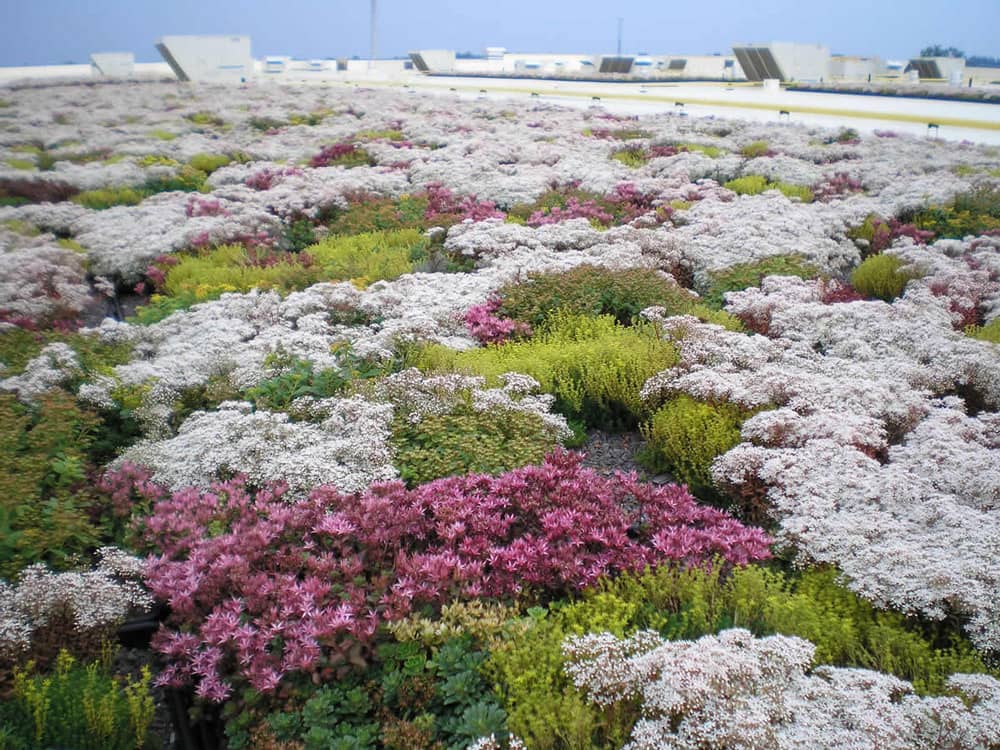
261,586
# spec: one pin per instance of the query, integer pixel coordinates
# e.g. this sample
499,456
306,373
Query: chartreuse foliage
232,268
591,290
881,276
364,259
102,198
755,149
743,275
755,184
370,257
188,178
684,436
465,440
208,163
594,366
76,706
526,665
989,332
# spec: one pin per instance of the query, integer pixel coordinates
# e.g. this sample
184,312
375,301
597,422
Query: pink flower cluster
197,206
442,202
838,185
264,179
331,154
575,209
486,327
260,587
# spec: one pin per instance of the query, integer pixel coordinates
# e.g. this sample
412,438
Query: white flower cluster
123,241
348,449
41,281
739,692
417,396
98,598
56,364
864,468
345,443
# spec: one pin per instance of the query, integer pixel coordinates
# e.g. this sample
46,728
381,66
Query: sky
49,32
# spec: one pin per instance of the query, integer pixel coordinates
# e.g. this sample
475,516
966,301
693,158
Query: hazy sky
37,32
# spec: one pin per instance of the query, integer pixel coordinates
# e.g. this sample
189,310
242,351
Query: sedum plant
684,436
743,275
736,691
881,276
76,705
593,366
592,290
262,587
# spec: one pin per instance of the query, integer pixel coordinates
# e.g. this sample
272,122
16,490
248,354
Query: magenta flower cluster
264,179
483,324
887,232
838,185
574,209
261,586
441,202
332,154
197,206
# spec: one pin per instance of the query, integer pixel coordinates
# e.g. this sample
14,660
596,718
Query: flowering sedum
736,691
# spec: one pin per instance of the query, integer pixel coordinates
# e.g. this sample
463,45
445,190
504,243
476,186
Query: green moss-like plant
22,164
755,184
543,707
713,152
389,134
592,290
205,118
231,268
43,464
594,366
161,306
744,275
380,214
162,135
630,156
751,184
103,198
369,257
468,441
208,163
21,227
848,631
186,179
755,149
881,276
684,436
801,192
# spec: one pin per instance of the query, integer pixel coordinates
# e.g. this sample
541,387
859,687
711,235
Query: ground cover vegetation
303,376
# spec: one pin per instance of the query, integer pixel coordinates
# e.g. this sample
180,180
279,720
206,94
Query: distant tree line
937,50
981,61
973,61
